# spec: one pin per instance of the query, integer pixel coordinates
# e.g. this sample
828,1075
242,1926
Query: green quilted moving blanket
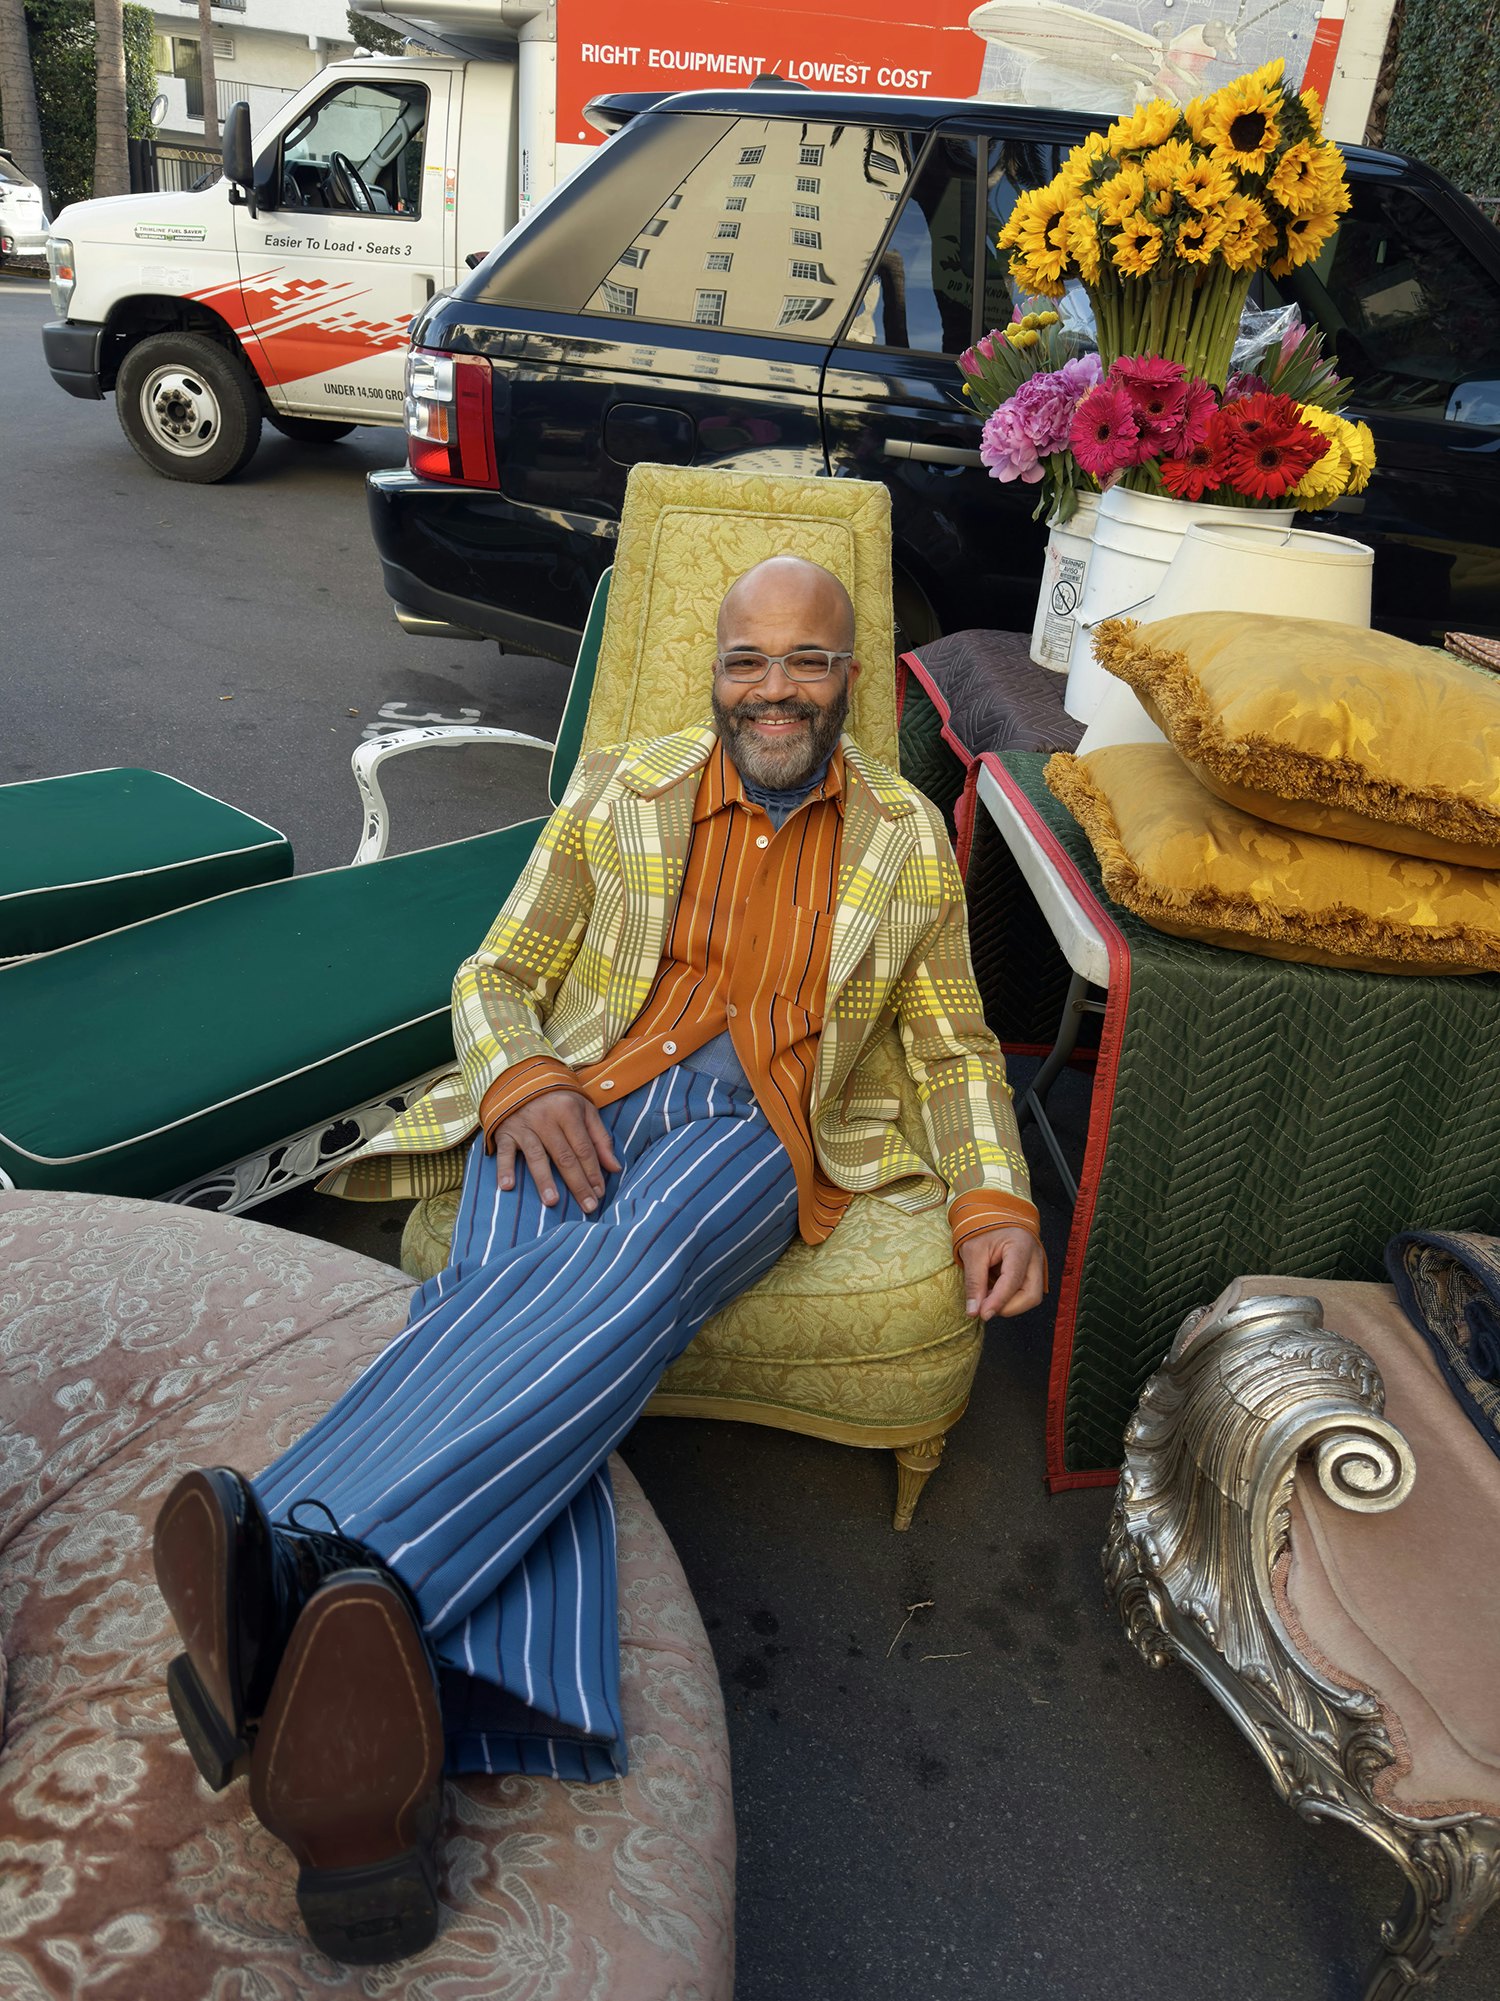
1248,1116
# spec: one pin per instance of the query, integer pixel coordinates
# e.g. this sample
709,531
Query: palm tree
111,150
23,127
206,61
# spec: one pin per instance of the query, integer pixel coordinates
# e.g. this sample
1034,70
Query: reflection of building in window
618,298
751,156
882,163
655,226
794,309
750,252
811,156
635,256
673,201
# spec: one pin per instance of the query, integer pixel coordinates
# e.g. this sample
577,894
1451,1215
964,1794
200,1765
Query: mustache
780,712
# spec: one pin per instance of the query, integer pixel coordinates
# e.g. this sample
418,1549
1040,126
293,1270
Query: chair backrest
569,744
686,533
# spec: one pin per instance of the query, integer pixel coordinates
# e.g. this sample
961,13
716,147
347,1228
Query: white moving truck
284,290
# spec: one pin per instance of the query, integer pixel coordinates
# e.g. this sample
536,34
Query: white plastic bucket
1064,573
1136,535
1299,574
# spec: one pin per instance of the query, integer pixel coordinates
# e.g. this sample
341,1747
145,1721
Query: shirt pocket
799,959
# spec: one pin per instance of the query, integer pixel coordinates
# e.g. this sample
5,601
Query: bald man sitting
659,1044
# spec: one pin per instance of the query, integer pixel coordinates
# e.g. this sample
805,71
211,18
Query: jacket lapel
878,838
652,820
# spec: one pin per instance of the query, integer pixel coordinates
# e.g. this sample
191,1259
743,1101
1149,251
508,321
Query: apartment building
263,51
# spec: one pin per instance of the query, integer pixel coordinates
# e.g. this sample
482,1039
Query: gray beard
780,767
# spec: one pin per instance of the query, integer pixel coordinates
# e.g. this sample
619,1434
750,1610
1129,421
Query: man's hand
1004,1273
558,1133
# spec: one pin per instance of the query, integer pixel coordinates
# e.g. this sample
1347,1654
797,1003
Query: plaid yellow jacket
570,959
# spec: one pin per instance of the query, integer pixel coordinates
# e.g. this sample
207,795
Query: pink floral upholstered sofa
138,1339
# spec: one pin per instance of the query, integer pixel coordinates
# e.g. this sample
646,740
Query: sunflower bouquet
1167,217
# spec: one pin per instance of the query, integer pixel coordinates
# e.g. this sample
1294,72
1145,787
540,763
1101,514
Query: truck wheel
190,407
308,430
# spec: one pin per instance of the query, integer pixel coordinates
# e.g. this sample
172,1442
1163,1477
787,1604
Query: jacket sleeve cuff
517,1085
984,1209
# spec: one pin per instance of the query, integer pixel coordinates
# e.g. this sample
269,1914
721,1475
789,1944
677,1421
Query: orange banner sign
860,45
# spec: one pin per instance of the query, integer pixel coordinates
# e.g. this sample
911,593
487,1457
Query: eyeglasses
806,664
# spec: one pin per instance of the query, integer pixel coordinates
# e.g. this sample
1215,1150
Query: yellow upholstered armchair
862,1339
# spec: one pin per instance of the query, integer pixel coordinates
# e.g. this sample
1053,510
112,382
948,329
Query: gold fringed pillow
1324,728
1188,863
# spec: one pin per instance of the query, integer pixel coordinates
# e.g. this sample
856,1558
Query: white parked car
23,220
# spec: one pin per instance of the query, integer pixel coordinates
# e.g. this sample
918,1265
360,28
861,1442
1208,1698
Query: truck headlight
61,277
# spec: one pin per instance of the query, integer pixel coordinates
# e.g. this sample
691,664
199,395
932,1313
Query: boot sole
347,1771
219,1755
193,1548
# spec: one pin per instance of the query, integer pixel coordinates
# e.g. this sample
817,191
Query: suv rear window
770,233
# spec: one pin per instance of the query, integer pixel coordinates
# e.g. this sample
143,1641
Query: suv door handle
938,455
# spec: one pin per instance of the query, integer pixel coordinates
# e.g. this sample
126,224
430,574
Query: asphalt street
997,1800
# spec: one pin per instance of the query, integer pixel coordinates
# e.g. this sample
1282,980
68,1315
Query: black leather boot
234,1586
347,1769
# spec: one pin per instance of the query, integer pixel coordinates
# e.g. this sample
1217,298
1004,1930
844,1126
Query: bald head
797,601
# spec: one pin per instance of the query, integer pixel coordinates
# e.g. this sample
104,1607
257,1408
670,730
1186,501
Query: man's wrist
981,1210
532,1077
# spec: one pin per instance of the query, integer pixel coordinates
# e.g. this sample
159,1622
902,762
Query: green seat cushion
143,1059
97,849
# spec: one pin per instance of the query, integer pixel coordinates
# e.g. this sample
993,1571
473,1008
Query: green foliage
368,34
140,71
1448,63
61,33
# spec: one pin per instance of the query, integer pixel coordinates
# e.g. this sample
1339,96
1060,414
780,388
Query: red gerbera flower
1265,456
1194,474
1243,414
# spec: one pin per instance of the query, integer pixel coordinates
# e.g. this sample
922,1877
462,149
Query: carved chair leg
915,1466
1452,1880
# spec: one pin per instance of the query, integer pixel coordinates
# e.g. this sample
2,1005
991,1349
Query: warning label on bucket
1065,578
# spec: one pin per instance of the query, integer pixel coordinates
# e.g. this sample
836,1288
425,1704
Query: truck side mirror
239,163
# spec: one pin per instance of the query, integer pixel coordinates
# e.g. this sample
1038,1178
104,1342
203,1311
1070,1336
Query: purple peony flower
1044,404
1007,450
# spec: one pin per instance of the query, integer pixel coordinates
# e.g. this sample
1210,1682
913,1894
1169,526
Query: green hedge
62,59
1447,65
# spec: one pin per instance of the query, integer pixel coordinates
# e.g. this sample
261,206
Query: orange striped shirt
748,951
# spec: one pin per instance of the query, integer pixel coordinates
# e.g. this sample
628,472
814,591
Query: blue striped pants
470,1455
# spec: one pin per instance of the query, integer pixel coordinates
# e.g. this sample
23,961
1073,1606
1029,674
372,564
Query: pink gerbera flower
1198,406
1104,435
1157,390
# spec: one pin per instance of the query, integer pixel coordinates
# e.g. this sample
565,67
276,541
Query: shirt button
606,1083
670,1048
763,840
731,1010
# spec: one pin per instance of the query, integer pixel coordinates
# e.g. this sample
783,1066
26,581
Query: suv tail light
450,430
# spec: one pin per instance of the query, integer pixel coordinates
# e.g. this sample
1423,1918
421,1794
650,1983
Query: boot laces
322,1552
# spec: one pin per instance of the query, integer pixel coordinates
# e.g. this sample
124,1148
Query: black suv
782,280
